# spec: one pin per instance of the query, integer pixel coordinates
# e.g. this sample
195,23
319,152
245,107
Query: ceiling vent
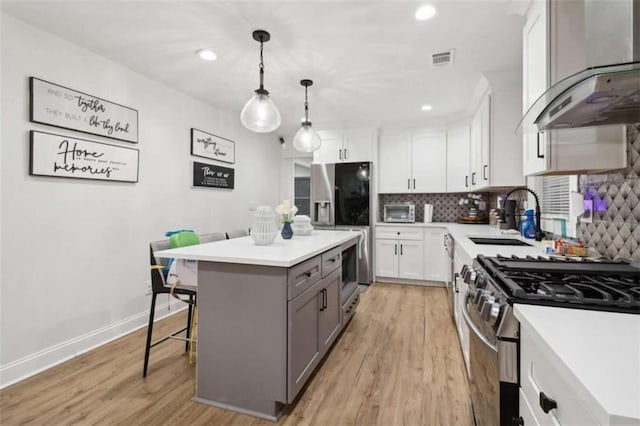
442,59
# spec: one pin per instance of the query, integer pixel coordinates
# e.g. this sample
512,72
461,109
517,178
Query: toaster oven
400,213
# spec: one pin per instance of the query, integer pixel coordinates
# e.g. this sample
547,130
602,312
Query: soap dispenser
528,225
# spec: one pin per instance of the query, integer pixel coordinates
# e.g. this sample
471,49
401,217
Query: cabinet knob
547,404
517,421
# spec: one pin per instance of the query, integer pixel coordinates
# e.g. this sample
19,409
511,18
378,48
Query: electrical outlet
587,216
148,286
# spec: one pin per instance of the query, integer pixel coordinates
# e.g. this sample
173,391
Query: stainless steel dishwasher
449,245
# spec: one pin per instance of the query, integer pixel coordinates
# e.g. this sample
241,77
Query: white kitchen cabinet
535,80
552,49
413,161
410,259
352,145
544,382
394,177
429,162
399,252
480,156
493,158
458,146
386,258
436,260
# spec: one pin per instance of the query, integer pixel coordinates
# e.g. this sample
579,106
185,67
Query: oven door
494,401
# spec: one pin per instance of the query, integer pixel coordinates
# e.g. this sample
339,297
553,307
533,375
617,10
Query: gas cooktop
585,284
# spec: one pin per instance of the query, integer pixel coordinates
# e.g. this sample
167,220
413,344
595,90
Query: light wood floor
397,363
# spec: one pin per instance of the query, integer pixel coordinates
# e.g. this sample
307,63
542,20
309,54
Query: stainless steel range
496,283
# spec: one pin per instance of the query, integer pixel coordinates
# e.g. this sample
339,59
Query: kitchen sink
499,241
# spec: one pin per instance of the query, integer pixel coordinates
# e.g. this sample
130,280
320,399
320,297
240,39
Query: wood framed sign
62,156
210,176
214,147
66,108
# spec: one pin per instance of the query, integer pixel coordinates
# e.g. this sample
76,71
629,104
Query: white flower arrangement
471,201
287,211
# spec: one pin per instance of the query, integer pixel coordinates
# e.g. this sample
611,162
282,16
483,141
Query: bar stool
159,268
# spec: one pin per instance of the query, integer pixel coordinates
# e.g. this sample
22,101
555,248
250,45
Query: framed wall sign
66,108
214,147
210,176
62,156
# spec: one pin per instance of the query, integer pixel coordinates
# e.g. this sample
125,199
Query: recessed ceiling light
425,12
426,107
207,55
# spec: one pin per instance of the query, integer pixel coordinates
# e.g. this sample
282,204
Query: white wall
75,253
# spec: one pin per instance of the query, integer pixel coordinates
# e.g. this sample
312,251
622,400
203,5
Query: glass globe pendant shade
260,114
306,139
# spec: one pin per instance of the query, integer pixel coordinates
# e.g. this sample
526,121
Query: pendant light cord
306,105
261,66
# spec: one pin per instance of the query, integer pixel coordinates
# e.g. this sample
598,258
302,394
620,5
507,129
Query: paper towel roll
428,213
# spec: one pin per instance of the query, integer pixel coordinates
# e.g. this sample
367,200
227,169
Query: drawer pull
334,259
308,274
547,404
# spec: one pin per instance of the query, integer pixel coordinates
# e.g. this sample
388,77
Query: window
302,195
559,215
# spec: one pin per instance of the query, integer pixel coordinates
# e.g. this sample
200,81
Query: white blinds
555,195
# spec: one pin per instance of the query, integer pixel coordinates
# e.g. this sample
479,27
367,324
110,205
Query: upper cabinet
485,152
553,48
350,146
412,161
480,148
535,81
458,145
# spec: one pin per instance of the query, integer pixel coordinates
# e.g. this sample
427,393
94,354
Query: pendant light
260,114
306,138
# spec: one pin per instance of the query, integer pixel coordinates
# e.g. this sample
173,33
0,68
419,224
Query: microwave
400,213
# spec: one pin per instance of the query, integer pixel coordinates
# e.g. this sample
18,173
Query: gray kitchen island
267,315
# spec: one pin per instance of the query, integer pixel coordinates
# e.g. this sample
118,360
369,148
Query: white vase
264,229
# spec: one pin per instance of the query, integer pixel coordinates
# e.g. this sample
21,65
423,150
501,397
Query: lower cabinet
329,311
436,261
314,323
399,259
547,393
410,259
399,252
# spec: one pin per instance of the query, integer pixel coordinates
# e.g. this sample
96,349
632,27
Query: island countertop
282,253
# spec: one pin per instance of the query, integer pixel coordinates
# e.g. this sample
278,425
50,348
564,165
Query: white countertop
461,232
600,352
282,253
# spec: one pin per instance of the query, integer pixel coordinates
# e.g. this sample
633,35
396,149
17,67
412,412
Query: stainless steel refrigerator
341,199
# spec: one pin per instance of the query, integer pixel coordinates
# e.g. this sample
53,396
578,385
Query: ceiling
370,60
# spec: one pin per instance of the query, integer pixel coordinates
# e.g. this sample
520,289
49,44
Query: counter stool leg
189,314
149,333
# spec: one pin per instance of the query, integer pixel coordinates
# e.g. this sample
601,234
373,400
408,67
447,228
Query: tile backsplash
614,232
445,206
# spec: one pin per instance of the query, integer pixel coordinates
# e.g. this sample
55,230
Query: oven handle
472,326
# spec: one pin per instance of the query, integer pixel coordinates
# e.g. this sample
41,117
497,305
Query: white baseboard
30,365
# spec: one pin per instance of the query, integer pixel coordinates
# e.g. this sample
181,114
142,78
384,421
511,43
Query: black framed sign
66,108
210,176
62,156
214,147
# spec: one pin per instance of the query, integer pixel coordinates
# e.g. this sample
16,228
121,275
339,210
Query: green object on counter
563,227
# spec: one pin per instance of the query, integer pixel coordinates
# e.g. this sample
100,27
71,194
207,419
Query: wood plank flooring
397,363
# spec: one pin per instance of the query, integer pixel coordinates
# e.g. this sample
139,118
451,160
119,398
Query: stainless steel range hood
608,92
